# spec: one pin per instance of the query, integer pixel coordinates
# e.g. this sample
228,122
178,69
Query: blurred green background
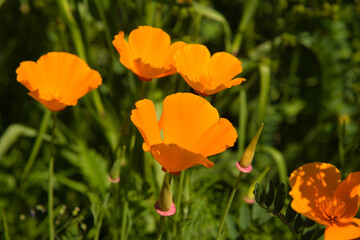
302,64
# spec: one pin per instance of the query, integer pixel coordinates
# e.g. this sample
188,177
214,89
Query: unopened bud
249,152
165,198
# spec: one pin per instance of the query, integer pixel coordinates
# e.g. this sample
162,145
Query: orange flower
207,75
320,195
57,79
192,130
149,53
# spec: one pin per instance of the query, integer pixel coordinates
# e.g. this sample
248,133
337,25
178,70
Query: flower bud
165,198
249,152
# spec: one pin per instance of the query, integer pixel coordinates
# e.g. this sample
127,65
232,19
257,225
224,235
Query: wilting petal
123,48
216,139
313,185
348,193
175,159
346,230
58,79
185,118
144,118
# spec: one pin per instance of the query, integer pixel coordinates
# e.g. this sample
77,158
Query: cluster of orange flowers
192,129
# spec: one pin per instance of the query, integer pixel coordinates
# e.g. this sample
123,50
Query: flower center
332,209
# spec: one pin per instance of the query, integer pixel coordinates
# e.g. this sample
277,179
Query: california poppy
58,79
319,194
207,75
149,53
192,130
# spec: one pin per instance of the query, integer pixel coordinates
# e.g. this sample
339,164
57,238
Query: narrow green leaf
299,223
258,193
269,193
244,216
279,197
319,233
290,213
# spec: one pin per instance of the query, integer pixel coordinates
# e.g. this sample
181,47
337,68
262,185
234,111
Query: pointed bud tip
249,152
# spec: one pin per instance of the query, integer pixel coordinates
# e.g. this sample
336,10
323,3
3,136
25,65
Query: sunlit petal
346,230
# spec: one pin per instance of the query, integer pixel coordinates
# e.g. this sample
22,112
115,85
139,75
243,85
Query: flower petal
217,138
313,184
346,230
176,159
150,44
144,118
185,118
123,48
58,79
348,192
234,82
222,68
191,62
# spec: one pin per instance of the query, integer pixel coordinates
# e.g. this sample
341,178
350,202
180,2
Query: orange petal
217,138
222,68
58,79
348,192
150,44
346,230
148,71
312,184
144,118
175,159
185,118
191,62
123,48
234,82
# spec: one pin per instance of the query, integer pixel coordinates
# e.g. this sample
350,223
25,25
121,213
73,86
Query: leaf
93,167
244,216
269,193
11,135
290,213
258,193
279,198
299,223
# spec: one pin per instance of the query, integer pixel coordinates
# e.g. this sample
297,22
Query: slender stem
178,200
51,183
37,144
124,221
6,227
228,205
161,228
283,219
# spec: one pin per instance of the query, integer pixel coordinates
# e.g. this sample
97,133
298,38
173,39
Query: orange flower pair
58,79
192,130
319,194
149,55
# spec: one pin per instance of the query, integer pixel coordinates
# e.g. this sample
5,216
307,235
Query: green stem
37,145
242,122
265,76
124,221
282,219
236,185
6,227
178,201
161,228
51,183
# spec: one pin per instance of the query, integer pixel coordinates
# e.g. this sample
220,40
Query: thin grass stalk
222,222
242,121
279,160
124,221
247,16
51,183
6,227
34,151
265,76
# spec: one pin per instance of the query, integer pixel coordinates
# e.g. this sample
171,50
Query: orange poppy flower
207,75
58,79
192,130
149,53
320,195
